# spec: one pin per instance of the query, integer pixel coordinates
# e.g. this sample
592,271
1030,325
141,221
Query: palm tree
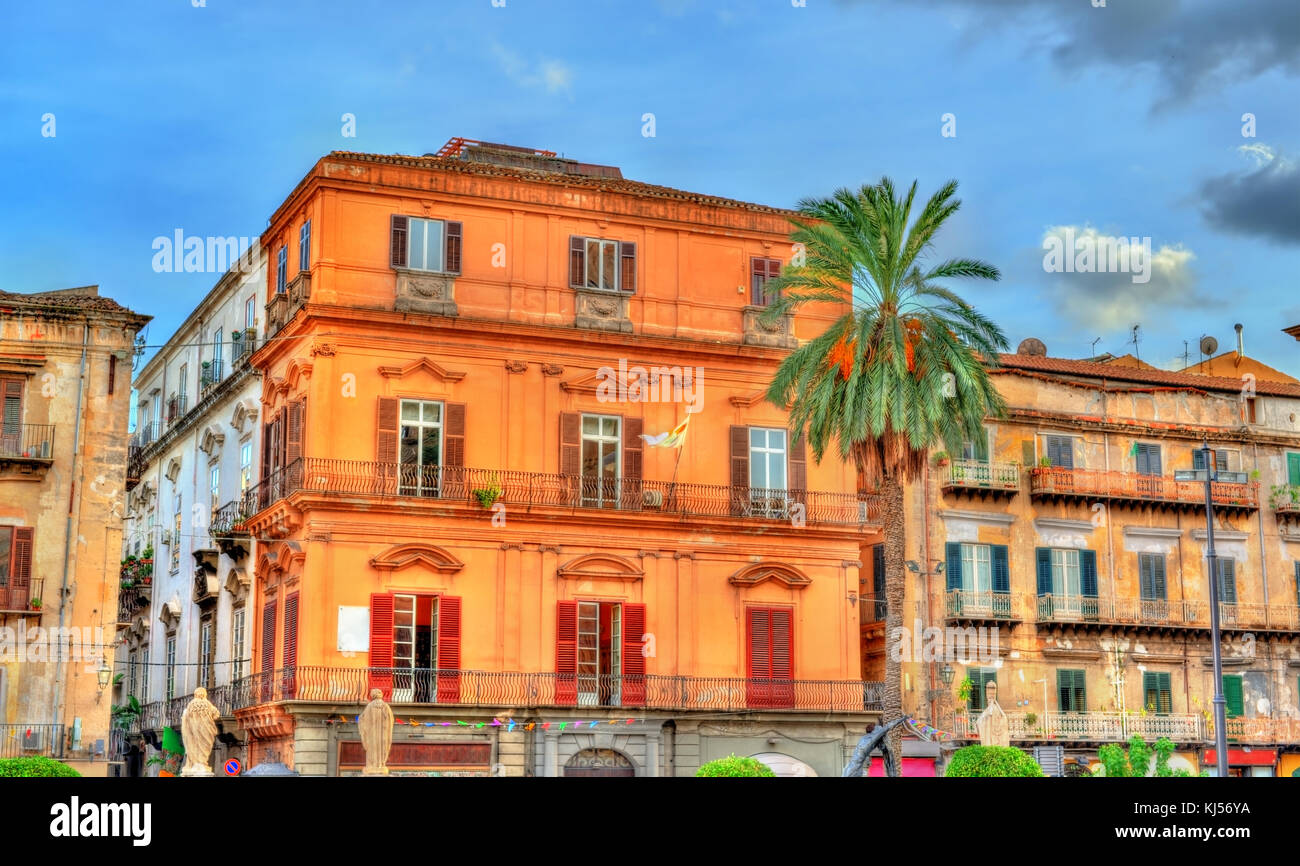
904,367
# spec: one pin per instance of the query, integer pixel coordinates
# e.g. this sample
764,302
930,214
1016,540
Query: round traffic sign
233,767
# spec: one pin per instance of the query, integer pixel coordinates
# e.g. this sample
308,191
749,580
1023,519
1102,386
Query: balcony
482,488
1285,502
1056,483
277,313
26,450
24,740
132,600
211,376
976,607
299,291
22,599
979,478
520,691
177,406
1091,727
1161,615
1259,731
242,346
873,610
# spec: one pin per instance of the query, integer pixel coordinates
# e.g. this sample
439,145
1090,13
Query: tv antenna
1135,339
1094,347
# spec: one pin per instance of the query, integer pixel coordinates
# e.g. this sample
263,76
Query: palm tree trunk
895,577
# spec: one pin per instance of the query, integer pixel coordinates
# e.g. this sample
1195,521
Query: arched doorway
599,762
784,765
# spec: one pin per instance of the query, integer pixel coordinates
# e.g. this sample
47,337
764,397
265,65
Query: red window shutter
739,470
449,649
627,266
758,656
452,259
268,637
757,276
381,644
633,655
266,453
293,432
566,653
782,694
577,261
773,268
397,242
24,540
798,455
570,443
386,442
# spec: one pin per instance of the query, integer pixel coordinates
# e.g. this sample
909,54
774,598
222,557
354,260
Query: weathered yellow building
65,381
1065,558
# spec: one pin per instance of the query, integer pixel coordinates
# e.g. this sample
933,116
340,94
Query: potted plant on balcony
941,458
964,689
487,496
36,604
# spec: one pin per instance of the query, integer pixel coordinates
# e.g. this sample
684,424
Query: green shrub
733,766
991,761
31,767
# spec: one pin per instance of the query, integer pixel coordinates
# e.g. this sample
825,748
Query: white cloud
555,76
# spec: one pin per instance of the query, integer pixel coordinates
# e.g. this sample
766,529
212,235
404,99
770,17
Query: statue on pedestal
992,723
198,730
376,728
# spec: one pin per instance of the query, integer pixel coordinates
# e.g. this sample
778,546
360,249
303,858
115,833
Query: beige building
65,379
1065,558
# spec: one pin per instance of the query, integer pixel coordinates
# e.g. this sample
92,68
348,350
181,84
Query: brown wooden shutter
268,637
24,541
452,263
381,643
290,659
739,471
386,428
570,443
757,276
627,266
112,372
798,480
758,656
632,460
782,694
453,454
293,434
397,242
449,631
566,653
633,654
577,261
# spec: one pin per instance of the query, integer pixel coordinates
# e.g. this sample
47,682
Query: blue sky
1125,118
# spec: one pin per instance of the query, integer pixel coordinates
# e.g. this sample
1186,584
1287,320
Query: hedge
992,761
733,766
32,767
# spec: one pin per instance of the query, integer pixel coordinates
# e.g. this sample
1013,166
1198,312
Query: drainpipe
926,566
67,526
1259,516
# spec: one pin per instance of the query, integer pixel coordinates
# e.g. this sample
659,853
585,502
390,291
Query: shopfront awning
1242,758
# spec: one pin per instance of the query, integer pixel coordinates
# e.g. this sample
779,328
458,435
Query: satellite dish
1209,345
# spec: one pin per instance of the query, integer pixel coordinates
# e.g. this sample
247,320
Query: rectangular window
1147,458
976,568
415,647
1065,573
1060,451
1151,576
977,449
250,313
144,675
175,543
1220,460
237,646
1157,697
182,387
205,654
11,421
602,439
171,667
1293,469
281,269
420,447
425,250
218,351
602,264
1227,580
245,467
596,263
132,674
600,653
1071,691
214,486
768,471
6,555
979,678
304,247
760,271
1233,696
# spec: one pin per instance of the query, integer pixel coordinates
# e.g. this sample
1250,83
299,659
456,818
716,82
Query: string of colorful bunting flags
508,724
929,730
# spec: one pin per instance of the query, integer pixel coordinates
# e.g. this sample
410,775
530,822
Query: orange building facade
469,359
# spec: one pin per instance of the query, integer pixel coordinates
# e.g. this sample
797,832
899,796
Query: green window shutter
1232,695
953,568
1227,580
1145,581
1071,691
1001,568
1088,573
1044,558
1157,696
1293,469
1158,575
1198,459
1297,586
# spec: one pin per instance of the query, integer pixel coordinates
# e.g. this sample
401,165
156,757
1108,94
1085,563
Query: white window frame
977,568
237,638
1067,574
420,226
281,269
600,245
214,485
420,488
594,490
171,666
304,246
205,652
245,466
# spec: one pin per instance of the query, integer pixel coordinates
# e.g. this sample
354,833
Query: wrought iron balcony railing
1048,481
971,604
24,740
227,519
979,475
132,600
484,487
525,690
22,598
27,441
177,406
1092,726
212,374
1159,612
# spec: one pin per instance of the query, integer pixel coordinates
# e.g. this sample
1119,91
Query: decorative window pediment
600,566
245,410
212,440
432,367
173,470
404,555
761,572
170,612
238,583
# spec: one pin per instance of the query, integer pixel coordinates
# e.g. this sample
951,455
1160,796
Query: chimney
1241,351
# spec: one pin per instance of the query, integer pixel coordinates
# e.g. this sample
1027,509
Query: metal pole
1220,725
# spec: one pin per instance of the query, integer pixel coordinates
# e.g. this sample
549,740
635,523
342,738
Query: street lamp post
1220,725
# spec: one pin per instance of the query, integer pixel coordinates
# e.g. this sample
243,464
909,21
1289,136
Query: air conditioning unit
34,740
652,498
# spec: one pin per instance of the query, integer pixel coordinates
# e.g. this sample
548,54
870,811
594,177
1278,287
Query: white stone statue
992,723
376,728
198,730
